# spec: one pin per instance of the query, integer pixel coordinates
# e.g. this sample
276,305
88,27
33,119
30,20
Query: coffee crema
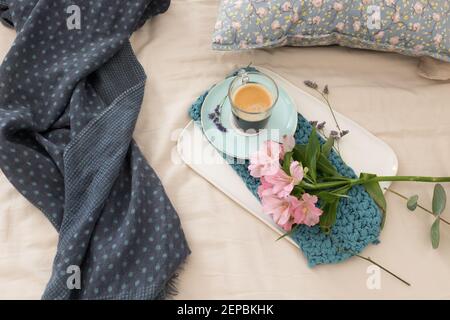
252,103
252,98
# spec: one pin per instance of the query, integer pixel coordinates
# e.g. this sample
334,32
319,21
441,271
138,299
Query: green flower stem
418,205
406,178
341,181
324,185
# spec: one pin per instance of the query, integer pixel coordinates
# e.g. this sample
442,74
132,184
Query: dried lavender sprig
321,125
324,93
343,133
215,116
317,124
220,127
334,134
311,84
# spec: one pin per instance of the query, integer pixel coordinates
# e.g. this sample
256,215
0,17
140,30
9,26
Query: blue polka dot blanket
358,218
70,93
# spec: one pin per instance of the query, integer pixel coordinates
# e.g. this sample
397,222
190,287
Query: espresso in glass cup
252,96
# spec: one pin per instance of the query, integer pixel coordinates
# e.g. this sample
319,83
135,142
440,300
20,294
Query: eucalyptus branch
368,259
383,268
418,205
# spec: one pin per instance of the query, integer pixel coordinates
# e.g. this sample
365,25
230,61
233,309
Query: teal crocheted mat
358,217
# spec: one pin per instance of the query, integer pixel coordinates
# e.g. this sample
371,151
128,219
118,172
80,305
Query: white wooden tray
360,149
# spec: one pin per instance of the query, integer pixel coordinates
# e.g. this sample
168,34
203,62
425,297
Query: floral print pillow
412,27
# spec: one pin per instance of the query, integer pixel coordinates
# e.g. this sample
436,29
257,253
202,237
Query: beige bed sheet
233,254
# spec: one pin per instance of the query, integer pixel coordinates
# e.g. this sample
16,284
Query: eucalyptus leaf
375,191
439,199
412,202
435,234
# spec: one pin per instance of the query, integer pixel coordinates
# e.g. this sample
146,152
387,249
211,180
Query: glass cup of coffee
252,96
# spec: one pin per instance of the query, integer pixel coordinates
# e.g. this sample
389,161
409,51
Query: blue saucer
227,138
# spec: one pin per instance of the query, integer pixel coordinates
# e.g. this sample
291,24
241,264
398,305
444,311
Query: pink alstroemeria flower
288,144
282,183
281,209
266,161
265,188
307,212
